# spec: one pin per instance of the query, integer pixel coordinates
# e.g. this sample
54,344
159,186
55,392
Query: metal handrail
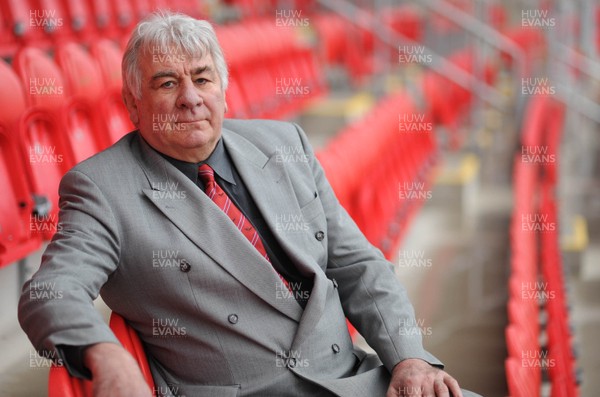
578,61
439,63
478,28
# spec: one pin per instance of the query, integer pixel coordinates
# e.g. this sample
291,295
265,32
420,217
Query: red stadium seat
390,159
61,384
236,102
17,205
17,15
82,74
112,109
8,42
54,21
103,18
79,19
43,141
331,30
82,123
519,382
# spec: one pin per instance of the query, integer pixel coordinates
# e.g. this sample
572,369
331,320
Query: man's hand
417,378
115,373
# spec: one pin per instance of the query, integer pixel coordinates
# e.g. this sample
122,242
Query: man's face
182,105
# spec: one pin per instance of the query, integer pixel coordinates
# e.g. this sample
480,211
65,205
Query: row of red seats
45,23
352,46
56,113
561,351
523,369
447,104
380,168
262,8
537,282
272,73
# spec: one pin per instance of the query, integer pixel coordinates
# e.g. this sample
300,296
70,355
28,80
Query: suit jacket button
320,235
185,266
292,363
232,318
335,348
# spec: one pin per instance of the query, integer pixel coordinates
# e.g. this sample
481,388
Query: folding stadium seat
405,20
562,368
17,205
61,384
8,42
108,56
289,58
79,19
525,316
237,107
519,380
75,110
532,42
192,8
80,117
104,21
331,32
55,21
42,137
254,79
16,15
124,15
555,116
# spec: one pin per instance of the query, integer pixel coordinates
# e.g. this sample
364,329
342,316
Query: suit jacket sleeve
56,305
372,297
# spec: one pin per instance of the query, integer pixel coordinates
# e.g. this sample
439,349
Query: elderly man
179,227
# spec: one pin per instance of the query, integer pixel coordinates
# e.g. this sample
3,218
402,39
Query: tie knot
206,173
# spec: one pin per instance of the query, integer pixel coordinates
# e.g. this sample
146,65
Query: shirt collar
218,160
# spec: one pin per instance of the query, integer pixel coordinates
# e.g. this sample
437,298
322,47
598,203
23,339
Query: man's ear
129,100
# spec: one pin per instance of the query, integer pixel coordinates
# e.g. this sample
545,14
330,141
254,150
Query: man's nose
189,96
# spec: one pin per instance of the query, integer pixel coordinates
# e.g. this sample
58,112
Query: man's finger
453,386
440,388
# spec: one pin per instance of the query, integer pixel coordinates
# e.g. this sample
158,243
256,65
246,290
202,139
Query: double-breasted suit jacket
213,315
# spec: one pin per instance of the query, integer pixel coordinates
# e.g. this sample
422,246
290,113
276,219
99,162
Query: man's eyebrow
202,69
164,73
172,73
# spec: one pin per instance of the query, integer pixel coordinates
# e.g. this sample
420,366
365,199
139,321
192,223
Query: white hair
167,30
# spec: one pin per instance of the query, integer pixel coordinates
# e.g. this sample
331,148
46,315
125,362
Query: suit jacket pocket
183,390
312,209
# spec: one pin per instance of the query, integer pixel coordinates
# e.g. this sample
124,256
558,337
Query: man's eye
168,84
201,80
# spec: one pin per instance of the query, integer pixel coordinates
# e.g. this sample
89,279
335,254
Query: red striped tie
216,194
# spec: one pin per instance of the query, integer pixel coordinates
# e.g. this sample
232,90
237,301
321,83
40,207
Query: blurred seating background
473,123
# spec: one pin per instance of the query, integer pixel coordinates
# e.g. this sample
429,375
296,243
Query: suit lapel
272,191
205,224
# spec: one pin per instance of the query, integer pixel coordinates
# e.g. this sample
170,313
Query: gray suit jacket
214,317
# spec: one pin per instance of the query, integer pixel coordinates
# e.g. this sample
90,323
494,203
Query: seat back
61,384
16,206
84,129
43,141
112,109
